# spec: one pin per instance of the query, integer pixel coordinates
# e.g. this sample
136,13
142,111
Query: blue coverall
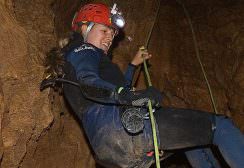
113,145
101,122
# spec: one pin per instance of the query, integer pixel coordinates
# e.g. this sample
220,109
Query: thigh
182,128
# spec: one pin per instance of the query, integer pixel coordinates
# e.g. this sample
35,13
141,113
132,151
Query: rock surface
34,132
37,129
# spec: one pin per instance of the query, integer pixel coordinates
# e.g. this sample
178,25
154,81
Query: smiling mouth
107,45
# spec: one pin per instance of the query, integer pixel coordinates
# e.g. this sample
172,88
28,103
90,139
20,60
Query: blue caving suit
101,120
100,117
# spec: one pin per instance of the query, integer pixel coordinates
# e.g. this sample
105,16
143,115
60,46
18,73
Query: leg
202,158
182,128
230,141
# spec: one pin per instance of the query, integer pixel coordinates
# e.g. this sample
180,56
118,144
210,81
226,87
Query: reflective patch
84,47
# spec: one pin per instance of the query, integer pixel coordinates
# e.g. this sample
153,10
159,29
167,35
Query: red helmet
97,13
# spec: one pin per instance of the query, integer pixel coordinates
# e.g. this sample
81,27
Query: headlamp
116,17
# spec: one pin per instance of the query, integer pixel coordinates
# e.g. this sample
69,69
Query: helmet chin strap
89,27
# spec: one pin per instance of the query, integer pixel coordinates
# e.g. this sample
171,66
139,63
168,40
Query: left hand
156,96
141,54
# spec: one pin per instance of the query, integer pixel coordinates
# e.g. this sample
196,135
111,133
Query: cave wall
37,129
33,130
22,118
219,31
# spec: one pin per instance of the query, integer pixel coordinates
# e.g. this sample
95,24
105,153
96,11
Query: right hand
141,54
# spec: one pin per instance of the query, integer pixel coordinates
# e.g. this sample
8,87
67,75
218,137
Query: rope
153,25
152,119
198,55
148,41
147,73
155,139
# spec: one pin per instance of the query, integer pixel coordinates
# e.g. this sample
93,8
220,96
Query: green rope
153,25
147,73
148,40
155,139
198,56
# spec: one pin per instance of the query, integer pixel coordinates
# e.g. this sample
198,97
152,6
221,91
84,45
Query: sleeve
86,64
129,74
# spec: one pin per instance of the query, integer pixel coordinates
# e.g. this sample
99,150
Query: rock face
34,132
38,130
219,35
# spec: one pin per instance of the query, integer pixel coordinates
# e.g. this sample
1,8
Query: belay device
133,120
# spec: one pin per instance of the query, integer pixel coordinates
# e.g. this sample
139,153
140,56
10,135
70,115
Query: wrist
133,65
119,90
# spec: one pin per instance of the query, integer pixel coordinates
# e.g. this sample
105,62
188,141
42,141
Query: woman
105,93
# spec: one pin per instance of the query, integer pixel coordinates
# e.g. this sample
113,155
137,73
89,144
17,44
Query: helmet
98,13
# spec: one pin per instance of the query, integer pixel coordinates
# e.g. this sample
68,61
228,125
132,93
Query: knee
224,128
222,122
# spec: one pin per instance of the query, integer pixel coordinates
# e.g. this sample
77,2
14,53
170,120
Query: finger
145,55
148,56
142,48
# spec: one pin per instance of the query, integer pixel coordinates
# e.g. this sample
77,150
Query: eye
104,31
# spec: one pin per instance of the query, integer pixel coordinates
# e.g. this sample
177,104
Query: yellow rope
152,119
155,139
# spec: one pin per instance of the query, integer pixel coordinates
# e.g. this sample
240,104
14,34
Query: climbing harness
198,55
132,120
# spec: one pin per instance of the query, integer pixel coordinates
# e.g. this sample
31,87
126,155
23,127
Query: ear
83,29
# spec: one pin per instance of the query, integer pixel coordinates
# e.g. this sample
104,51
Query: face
101,36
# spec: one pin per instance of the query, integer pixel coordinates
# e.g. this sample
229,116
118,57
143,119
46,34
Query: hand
155,96
138,58
141,97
